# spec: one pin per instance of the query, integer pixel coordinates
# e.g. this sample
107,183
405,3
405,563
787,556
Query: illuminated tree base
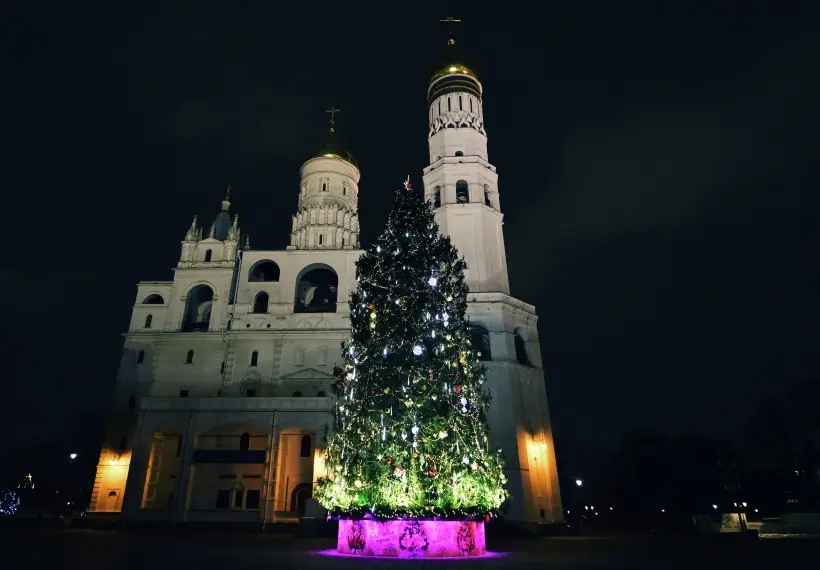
411,538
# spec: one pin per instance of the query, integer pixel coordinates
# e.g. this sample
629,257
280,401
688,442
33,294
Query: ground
205,550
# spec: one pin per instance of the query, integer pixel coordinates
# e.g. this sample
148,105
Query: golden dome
455,69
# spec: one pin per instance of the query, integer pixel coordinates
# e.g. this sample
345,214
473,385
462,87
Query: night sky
657,163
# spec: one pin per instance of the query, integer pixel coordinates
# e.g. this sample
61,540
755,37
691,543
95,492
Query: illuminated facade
221,400
222,393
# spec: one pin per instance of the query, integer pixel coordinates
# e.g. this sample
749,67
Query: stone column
135,481
181,500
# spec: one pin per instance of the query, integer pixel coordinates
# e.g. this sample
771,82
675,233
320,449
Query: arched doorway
112,501
299,496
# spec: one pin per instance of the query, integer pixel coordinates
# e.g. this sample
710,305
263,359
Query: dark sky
657,161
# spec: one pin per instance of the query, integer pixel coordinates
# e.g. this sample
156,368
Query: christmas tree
410,432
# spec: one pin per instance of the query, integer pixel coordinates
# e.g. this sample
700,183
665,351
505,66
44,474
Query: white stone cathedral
222,397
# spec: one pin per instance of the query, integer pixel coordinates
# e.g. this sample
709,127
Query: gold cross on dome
332,111
449,20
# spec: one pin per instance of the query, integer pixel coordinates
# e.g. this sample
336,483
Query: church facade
222,398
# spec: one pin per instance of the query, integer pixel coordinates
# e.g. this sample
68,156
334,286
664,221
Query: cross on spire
332,111
449,20
407,185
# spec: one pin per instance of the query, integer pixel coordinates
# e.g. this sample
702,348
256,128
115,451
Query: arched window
439,107
264,271
460,107
481,342
148,320
260,303
296,394
321,394
153,299
462,192
208,255
471,104
321,237
437,197
254,358
324,186
244,441
487,201
459,153
305,447
344,190
521,354
198,303
140,356
189,359
316,289
343,242
449,104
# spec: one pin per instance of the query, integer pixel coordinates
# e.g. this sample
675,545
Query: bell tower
327,215
460,181
462,186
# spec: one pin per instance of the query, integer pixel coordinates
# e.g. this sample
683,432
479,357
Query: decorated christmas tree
410,433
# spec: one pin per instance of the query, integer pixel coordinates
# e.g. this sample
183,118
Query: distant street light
714,507
579,482
73,456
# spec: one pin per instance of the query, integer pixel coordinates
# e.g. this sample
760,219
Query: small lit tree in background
9,503
410,432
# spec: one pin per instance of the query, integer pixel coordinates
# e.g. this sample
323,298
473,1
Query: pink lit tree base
411,538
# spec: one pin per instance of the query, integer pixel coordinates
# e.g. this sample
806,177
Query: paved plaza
211,549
